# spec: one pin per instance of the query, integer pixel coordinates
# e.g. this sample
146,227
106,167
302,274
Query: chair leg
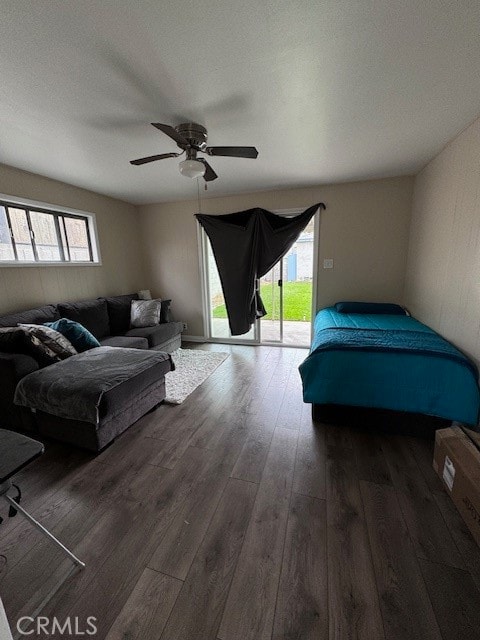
41,528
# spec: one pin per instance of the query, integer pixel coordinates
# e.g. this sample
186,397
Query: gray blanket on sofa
73,388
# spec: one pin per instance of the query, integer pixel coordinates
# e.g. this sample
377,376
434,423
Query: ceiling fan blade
234,152
171,133
153,158
209,174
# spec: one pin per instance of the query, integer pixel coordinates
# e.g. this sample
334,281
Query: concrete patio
295,333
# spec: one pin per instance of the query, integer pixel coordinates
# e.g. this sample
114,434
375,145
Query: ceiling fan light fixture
191,138
192,168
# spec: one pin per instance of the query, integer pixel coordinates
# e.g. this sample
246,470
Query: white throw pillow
145,313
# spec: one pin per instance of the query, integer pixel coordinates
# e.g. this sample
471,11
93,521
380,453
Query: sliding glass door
287,291
271,291
216,314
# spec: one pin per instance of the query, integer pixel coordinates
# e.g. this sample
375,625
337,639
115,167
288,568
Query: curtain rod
320,205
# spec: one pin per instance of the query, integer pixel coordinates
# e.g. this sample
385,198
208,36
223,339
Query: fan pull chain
198,196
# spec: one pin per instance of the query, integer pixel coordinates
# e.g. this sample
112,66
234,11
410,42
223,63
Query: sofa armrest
13,367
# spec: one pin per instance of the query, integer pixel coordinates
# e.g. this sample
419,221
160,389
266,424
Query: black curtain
246,245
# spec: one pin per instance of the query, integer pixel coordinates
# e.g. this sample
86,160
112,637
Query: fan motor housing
194,133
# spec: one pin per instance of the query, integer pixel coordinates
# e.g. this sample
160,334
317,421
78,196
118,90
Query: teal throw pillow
80,337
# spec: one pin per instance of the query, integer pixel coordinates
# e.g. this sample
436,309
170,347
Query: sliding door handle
280,283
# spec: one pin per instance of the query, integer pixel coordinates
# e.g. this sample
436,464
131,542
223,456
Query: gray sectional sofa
108,319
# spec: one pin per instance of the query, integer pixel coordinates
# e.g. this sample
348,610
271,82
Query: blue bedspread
389,362
387,340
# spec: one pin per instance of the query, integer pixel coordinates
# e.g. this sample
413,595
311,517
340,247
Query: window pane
6,249
46,242
77,236
63,240
28,235
21,234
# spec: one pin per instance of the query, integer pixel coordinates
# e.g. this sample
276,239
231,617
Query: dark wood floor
233,517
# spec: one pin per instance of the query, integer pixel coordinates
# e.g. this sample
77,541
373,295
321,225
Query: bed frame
379,420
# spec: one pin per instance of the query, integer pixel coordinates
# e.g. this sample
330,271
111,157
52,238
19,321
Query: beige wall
121,270
364,229
442,285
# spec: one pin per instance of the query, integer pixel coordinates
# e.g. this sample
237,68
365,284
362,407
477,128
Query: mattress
388,362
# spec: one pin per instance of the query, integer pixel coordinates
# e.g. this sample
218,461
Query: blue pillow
371,307
80,337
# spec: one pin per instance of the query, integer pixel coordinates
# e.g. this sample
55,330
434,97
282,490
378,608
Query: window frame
58,213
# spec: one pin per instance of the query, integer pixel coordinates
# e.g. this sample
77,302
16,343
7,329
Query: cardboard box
456,460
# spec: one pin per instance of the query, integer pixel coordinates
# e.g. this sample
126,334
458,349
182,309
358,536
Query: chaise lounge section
91,397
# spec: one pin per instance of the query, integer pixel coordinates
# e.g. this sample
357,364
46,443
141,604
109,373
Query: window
34,234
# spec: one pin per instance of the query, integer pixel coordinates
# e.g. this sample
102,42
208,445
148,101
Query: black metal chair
16,452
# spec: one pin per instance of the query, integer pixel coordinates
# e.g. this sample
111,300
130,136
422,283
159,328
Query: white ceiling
328,90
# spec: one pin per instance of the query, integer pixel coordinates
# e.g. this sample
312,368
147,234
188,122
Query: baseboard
193,338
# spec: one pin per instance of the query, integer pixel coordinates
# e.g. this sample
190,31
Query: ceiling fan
191,138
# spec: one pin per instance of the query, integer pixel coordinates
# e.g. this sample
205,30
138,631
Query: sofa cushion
130,342
119,313
49,313
92,314
81,338
115,400
159,334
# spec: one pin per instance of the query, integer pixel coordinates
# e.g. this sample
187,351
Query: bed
388,361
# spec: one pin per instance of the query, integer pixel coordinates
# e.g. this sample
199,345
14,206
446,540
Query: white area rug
192,367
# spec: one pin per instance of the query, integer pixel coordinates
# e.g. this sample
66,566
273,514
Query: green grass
297,302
